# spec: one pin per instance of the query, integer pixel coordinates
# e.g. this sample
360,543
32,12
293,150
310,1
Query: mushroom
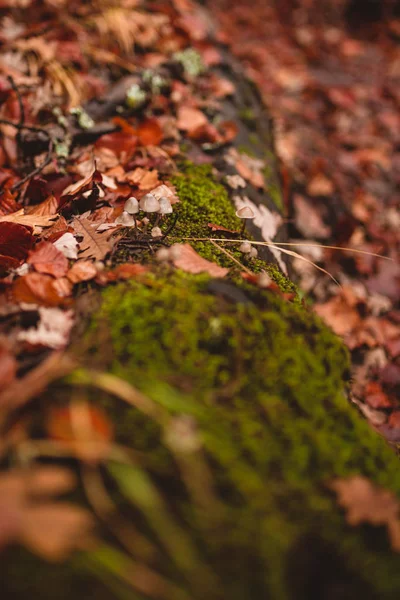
156,232
163,255
126,219
132,206
165,206
253,253
245,213
245,247
149,203
264,280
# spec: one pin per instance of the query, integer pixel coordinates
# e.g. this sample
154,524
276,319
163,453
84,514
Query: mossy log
241,420
245,420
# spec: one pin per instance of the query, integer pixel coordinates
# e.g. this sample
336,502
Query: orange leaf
47,259
150,133
36,288
191,262
83,270
190,119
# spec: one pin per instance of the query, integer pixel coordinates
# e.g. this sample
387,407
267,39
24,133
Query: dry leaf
8,367
36,288
94,245
191,262
37,222
143,178
339,315
365,502
82,270
46,258
27,516
190,119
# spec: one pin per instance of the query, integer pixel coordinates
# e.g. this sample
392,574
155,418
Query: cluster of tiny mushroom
148,204
245,213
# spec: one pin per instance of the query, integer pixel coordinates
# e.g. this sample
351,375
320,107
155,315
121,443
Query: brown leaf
37,222
8,367
365,502
150,132
94,245
339,315
15,241
36,288
85,428
191,262
45,258
190,119
54,530
143,178
82,270
46,208
27,516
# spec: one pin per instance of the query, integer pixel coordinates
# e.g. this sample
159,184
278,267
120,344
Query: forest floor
99,104
334,93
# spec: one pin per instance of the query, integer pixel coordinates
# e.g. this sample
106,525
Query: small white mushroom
125,219
264,280
156,232
163,255
245,213
245,247
175,252
165,206
149,203
132,206
253,253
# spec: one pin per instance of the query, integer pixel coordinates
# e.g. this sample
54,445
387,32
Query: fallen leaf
46,258
8,367
29,516
337,313
308,219
15,243
94,245
365,502
82,270
191,262
46,208
190,119
34,221
36,288
320,185
143,178
150,133
84,427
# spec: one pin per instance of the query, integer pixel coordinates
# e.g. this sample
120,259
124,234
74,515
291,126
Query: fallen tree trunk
228,400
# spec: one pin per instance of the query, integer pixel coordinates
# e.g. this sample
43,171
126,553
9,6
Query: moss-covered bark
246,422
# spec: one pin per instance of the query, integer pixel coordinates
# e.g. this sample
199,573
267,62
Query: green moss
273,187
247,114
264,380
203,200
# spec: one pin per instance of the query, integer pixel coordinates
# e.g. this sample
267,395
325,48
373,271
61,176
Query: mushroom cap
149,203
132,206
245,213
245,247
156,232
125,219
165,206
253,252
